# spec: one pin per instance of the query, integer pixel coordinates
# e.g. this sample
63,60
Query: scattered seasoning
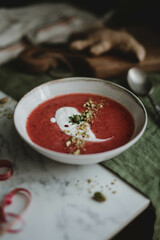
89,180
66,125
99,197
3,100
114,192
77,183
109,186
89,190
75,144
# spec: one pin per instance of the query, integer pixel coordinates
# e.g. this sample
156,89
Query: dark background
127,11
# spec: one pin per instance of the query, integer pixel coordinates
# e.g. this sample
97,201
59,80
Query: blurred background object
25,24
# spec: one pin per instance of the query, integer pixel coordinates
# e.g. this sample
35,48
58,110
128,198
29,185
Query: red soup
80,124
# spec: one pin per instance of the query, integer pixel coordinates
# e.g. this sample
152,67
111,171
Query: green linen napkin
140,165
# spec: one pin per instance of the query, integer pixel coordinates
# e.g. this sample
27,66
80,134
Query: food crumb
68,143
99,105
99,197
114,192
89,190
89,180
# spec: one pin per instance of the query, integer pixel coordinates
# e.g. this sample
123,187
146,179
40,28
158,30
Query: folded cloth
52,22
11,52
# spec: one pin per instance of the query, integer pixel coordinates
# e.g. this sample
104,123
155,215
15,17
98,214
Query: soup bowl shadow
56,88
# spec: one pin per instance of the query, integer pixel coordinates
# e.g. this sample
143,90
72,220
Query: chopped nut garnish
82,122
72,139
93,105
90,100
99,105
68,143
77,152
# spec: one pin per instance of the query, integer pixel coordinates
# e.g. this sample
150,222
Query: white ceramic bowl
80,85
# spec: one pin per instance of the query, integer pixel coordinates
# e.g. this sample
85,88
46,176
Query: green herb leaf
76,119
99,197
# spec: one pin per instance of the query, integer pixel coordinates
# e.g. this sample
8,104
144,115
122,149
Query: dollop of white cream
53,120
62,118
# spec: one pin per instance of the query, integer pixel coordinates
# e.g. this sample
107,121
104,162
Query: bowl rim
87,156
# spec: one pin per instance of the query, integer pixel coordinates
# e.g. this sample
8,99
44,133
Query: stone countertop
62,207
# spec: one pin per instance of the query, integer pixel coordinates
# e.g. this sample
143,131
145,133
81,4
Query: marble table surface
62,207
